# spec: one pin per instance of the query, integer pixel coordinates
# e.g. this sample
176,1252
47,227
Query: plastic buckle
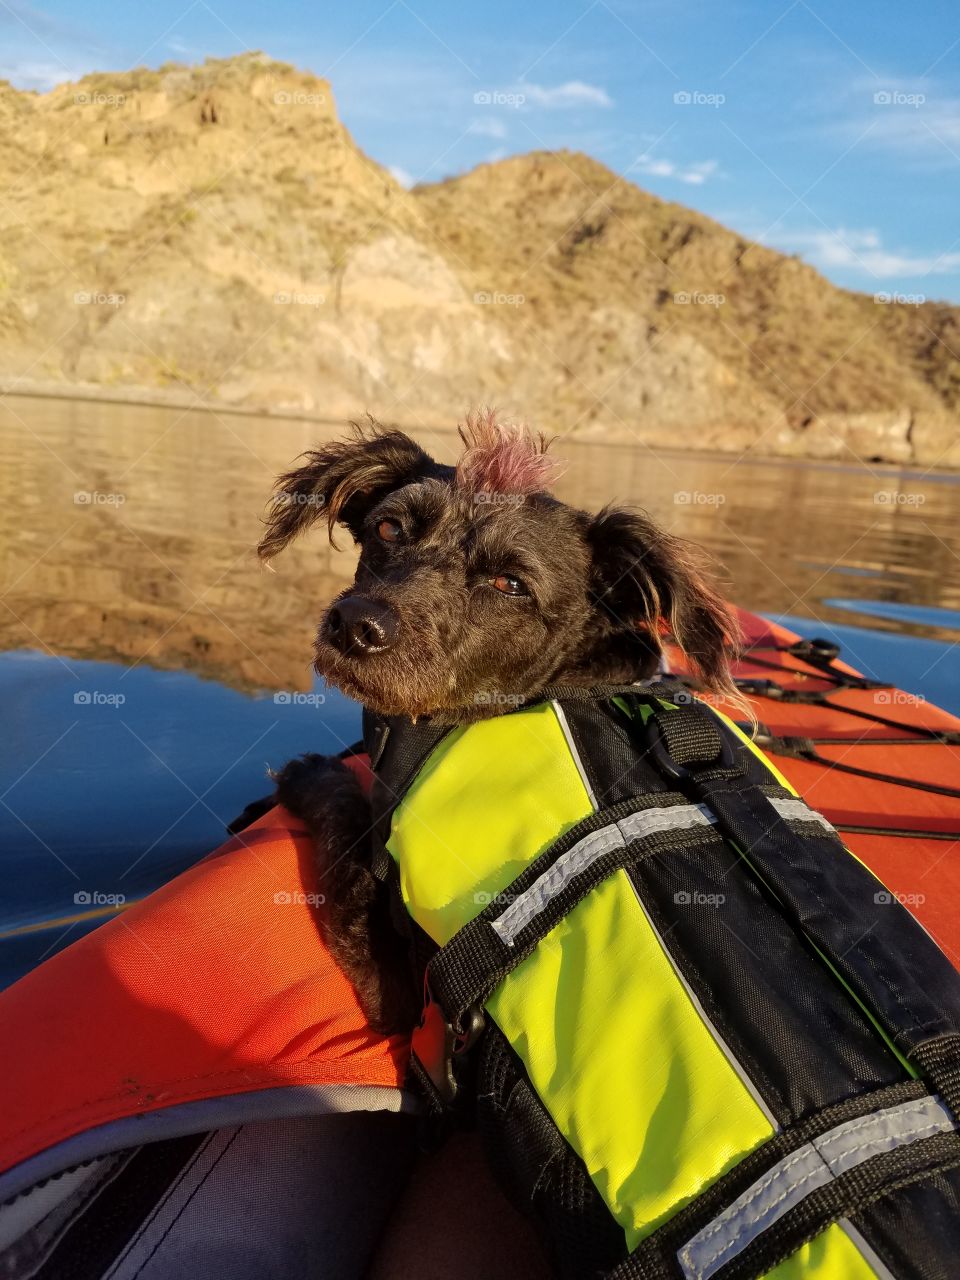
437,1044
816,650
761,688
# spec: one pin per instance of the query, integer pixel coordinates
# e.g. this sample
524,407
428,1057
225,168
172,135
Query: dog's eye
508,584
389,531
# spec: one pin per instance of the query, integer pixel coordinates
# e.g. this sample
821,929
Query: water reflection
127,534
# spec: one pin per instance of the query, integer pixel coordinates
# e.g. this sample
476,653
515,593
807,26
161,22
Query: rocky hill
214,232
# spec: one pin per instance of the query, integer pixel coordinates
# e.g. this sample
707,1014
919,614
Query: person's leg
453,1220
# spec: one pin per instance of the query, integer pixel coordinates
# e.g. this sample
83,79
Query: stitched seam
253,1082
914,1136
765,1212
158,1207
588,773
521,912
741,1056
617,835
833,1136
772,1176
183,1208
800,1154
798,811
48,1243
650,821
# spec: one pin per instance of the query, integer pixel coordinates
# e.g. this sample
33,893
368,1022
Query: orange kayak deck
816,731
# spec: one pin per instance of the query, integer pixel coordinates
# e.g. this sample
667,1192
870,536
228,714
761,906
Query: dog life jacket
701,1039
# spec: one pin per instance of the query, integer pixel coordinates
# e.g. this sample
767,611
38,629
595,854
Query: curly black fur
355,914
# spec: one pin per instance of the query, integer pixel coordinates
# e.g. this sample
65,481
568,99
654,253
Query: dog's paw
256,809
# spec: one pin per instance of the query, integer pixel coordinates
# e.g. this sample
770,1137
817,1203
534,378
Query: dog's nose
359,625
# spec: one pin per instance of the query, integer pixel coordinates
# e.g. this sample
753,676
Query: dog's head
476,588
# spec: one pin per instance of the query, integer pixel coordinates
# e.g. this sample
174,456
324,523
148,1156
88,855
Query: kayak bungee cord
819,697
905,833
803,749
820,654
840,679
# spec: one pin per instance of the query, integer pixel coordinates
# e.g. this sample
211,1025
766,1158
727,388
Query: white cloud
916,118
930,125
572,94
863,251
32,74
182,49
492,128
695,175
401,175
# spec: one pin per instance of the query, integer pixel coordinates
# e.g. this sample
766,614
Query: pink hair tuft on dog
503,457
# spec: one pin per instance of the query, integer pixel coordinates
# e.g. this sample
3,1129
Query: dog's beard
425,689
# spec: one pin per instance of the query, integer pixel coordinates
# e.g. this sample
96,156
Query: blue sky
832,131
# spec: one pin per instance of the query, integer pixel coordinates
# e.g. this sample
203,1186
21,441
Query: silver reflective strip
797,811
867,1251
813,1165
705,1018
585,852
572,747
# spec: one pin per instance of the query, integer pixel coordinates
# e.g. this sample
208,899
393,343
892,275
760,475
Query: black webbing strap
869,937
842,1197
398,748
467,970
939,1061
691,738
656,1256
649,690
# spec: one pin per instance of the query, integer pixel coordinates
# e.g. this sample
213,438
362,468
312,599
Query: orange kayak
882,765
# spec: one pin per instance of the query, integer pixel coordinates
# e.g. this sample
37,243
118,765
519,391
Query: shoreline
154,398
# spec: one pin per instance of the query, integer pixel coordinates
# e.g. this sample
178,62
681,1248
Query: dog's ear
341,482
645,579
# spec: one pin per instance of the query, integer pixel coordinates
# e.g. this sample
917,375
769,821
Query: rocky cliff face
214,232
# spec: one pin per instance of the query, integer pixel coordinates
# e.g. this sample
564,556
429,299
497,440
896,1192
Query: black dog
475,589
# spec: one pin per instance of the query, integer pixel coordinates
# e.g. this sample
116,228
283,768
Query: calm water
150,671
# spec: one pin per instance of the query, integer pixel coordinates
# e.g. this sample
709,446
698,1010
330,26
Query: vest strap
939,1061
869,936
467,970
820,1170
649,690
